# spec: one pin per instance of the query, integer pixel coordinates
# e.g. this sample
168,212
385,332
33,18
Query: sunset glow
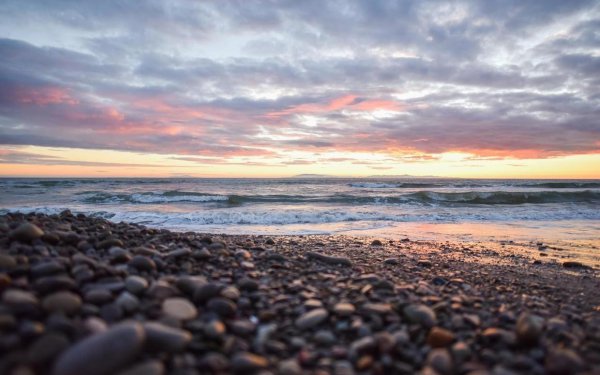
239,89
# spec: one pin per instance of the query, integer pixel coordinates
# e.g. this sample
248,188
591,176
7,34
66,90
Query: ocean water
556,211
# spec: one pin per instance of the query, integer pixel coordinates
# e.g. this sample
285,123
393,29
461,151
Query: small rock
119,255
64,302
439,337
222,306
142,263
103,353
376,243
19,298
183,252
162,338
328,259
46,269
214,329
110,242
26,232
46,348
573,264
127,302
248,362
7,262
201,254
420,314
424,263
344,309
136,284
149,367
312,318
377,308
392,261
440,360
563,361
289,367
179,308
529,328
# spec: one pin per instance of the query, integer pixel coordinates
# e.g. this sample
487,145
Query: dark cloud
256,78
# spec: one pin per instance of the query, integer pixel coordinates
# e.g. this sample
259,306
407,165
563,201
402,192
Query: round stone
439,337
420,314
529,328
150,367
162,338
104,353
312,318
16,298
47,347
64,302
248,362
179,308
344,309
142,263
222,306
27,232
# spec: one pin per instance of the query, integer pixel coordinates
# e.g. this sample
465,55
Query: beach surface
83,295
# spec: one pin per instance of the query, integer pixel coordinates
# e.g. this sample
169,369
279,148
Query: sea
563,213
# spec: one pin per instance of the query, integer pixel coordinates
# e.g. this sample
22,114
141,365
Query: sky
495,88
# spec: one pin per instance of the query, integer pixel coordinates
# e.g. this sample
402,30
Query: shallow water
563,213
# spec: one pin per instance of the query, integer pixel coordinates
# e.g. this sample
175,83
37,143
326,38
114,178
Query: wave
506,197
420,198
564,185
150,197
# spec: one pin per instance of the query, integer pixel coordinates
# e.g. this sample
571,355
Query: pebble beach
83,295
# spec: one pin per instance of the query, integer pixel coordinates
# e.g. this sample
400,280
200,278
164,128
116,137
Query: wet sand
84,295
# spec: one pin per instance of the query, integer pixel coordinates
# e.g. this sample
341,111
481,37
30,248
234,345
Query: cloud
211,80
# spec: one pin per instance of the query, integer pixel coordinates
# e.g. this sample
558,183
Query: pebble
179,308
103,353
142,263
312,318
46,268
376,243
7,262
19,298
248,362
328,259
136,284
222,306
46,348
573,264
289,367
127,302
162,338
214,329
392,261
420,314
439,337
377,308
529,328
98,296
26,232
150,367
440,360
64,302
563,361
344,309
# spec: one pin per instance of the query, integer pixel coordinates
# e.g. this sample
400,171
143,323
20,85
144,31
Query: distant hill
311,175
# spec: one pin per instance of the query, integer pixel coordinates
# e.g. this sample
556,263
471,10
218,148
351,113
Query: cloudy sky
494,88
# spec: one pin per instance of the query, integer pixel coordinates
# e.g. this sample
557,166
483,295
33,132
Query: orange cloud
347,101
43,96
